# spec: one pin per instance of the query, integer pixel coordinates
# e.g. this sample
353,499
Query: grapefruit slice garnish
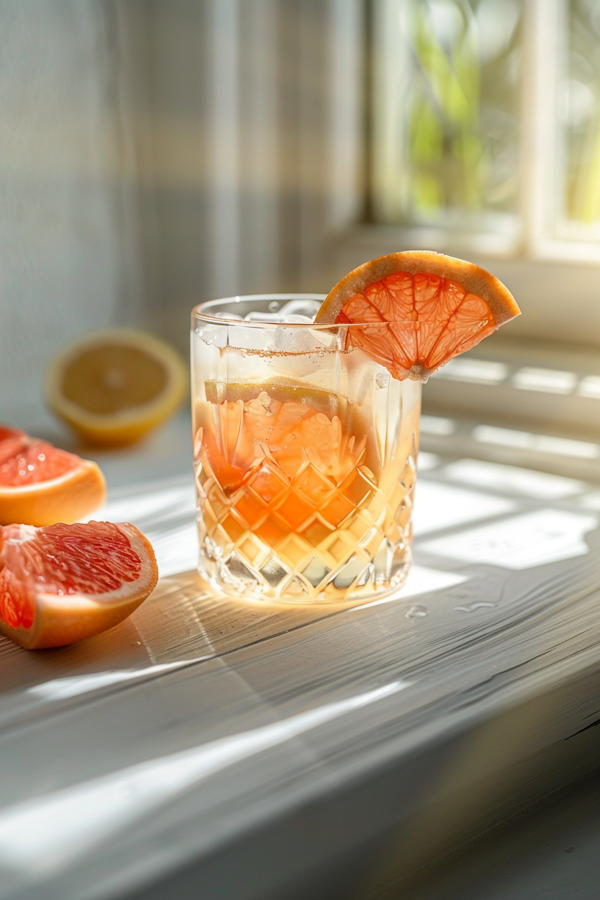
417,309
113,386
41,485
64,583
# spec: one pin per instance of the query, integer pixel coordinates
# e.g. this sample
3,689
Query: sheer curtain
156,153
257,137
64,241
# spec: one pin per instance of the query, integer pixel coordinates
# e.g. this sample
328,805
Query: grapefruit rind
476,280
131,423
62,620
431,308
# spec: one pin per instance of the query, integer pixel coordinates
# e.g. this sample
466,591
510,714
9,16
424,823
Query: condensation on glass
446,105
304,454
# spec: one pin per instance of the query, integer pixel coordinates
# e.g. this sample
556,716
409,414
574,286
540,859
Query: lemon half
114,386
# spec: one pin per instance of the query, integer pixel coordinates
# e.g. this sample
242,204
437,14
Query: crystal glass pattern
304,454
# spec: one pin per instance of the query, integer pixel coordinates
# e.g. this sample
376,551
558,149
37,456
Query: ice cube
253,316
301,307
296,319
293,340
302,340
277,318
212,334
250,338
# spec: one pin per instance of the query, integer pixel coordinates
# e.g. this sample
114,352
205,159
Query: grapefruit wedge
417,309
41,485
64,583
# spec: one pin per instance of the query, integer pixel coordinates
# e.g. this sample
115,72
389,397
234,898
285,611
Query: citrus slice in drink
64,583
417,309
112,387
41,485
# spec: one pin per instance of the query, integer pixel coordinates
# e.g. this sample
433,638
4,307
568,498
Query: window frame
556,281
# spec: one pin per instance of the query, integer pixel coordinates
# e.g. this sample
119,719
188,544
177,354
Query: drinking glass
304,454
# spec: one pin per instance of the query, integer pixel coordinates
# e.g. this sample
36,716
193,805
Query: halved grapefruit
64,583
41,485
418,309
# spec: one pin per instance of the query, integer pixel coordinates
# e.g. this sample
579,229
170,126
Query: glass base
356,582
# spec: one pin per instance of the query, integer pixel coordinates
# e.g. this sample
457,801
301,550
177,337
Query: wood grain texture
201,724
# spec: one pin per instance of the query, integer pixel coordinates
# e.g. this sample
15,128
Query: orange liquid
285,487
282,465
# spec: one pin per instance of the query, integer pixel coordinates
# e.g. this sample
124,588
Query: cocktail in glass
304,454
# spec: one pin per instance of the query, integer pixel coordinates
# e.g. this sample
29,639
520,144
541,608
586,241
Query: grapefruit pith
41,485
417,309
64,583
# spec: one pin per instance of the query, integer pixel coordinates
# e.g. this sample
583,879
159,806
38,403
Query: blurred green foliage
461,116
580,113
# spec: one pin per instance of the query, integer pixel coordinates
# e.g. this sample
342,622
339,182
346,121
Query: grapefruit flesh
41,485
64,583
416,310
32,462
7,433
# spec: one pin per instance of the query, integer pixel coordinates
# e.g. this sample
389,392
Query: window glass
580,116
447,78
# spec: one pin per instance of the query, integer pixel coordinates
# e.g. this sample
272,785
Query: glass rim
199,313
